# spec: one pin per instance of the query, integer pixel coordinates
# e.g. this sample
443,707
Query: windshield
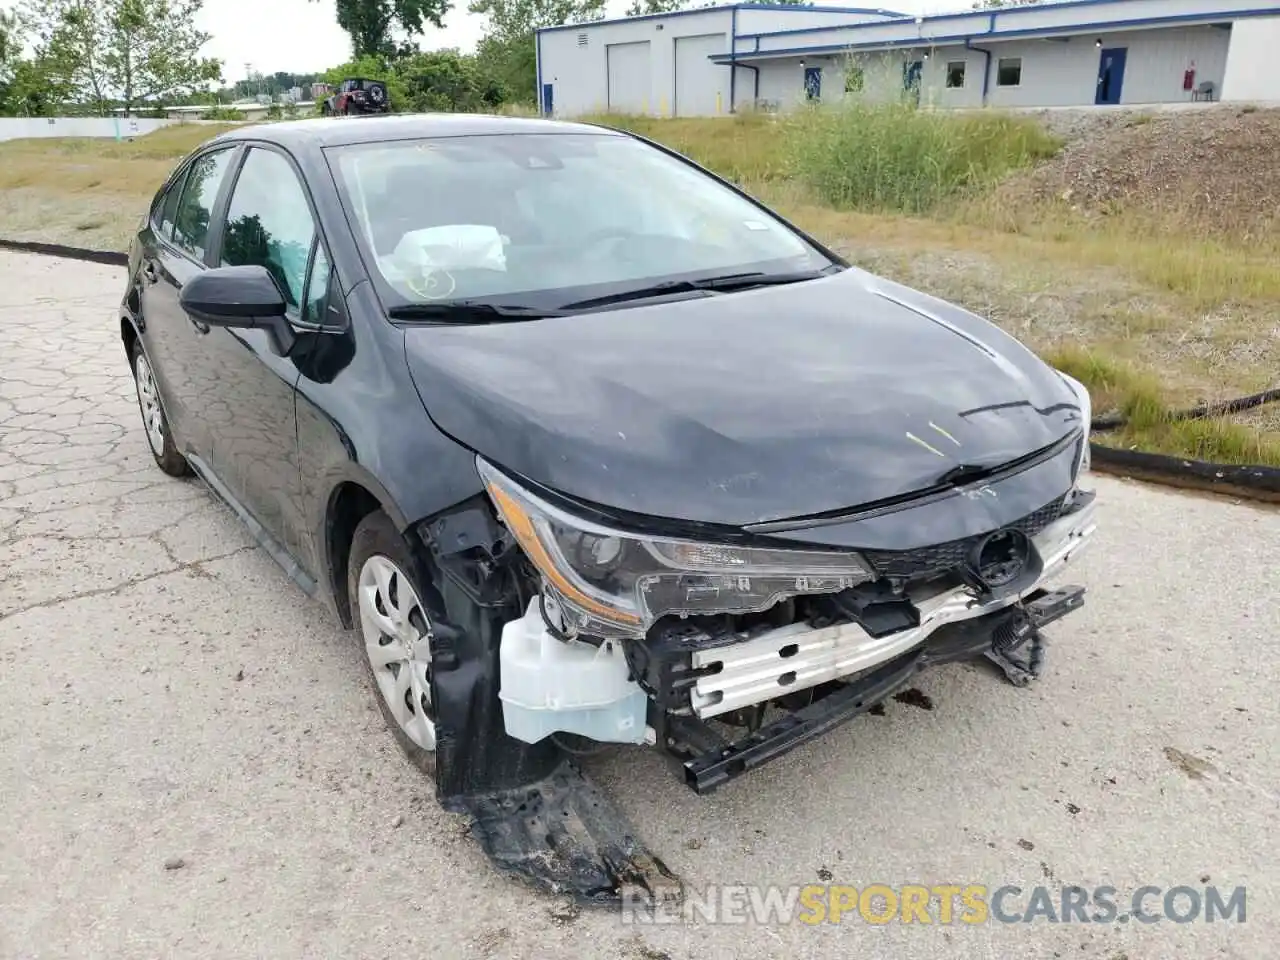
549,218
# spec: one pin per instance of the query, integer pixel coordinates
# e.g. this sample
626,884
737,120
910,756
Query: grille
940,557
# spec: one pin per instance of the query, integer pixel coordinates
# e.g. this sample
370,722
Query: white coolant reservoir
550,686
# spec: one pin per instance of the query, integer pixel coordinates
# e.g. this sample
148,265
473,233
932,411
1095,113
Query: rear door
174,249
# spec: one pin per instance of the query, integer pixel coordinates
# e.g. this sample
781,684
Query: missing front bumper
718,761
728,677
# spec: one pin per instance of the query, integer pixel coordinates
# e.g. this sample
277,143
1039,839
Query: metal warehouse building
714,60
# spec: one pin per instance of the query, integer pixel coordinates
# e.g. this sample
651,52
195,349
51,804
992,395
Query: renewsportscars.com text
944,904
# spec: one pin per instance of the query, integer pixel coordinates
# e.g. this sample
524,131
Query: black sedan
588,446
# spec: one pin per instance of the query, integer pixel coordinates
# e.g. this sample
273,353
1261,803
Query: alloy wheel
149,402
397,641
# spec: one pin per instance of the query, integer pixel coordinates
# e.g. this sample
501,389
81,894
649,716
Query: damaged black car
587,446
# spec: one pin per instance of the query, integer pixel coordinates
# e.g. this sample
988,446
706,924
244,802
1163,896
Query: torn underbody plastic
561,833
536,814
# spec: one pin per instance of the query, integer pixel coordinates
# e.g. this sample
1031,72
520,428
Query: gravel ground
191,764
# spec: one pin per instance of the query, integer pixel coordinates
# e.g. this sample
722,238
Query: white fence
16,128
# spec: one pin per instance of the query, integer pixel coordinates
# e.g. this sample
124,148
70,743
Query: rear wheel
393,627
154,424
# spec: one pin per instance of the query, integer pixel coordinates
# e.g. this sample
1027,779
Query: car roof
338,131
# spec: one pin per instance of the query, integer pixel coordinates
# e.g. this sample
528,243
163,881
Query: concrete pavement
191,764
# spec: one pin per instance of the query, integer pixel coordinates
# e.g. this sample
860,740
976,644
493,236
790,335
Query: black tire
377,536
168,458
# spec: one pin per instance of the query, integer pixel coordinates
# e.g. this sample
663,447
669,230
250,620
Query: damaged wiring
552,629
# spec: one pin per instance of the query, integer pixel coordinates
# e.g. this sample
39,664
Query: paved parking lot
167,695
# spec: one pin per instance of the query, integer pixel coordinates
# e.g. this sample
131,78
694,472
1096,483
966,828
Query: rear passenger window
191,222
167,208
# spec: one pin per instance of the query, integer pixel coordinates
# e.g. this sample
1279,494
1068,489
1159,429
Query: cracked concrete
167,693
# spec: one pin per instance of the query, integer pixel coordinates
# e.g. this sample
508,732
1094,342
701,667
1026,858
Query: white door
702,87
630,79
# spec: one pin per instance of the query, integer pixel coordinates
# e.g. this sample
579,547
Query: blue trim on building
1015,11
887,14
793,8
987,35
843,26
733,66
986,71
537,66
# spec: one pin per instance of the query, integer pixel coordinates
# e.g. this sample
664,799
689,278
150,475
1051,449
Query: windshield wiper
721,284
469,311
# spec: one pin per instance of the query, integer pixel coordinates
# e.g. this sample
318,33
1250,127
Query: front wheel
392,625
167,456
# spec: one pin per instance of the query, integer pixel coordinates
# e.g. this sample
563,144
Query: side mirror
246,297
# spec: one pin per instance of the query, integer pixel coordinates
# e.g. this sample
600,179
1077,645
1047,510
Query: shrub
217,112
898,157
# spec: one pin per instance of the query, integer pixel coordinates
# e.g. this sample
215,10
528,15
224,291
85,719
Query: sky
302,36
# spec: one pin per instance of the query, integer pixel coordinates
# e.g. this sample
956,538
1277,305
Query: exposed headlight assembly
612,583
1086,412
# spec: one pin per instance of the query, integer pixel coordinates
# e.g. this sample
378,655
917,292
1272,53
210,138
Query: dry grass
1153,345
88,192
1151,313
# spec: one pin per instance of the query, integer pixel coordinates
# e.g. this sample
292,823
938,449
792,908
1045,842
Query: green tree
122,51
507,50
10,41
640,8
448,80
29,91
370,23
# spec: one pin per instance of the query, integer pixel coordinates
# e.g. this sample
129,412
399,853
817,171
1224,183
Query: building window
1009,72
955,73
853,79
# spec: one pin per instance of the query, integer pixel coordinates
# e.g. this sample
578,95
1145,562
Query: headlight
1086,412
612,583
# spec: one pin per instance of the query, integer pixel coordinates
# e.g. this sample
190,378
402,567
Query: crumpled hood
746,407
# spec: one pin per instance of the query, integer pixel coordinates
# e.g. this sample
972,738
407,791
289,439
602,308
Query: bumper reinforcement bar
1015,628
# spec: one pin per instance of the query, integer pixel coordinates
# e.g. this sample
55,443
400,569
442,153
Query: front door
268,222
174,252
813,83
548,100
1110,74
911,71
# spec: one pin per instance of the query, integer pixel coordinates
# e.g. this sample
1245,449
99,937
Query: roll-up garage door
630,79
698,80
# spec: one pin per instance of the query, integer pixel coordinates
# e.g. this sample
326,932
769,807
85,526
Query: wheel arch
351,498
129,335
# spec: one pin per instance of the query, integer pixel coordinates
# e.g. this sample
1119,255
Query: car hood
747,407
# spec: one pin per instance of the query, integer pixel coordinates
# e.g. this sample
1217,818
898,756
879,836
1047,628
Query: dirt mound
1217,167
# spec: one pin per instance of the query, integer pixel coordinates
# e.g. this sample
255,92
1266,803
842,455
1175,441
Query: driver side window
269,223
